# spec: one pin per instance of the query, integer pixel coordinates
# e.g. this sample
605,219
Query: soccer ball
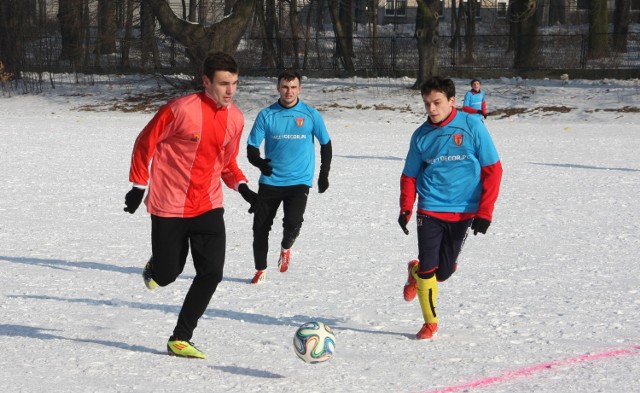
314,342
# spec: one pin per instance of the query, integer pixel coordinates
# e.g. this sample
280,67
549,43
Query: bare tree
557,12
598,45
148,35
12,24
70,18
470,30
269,34
199,40
427,37
128,32
621,19
296,31
377,57
343,47
106,42
524,33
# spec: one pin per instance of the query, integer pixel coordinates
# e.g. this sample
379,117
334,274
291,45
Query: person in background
182,157
288,129
453,167
474,100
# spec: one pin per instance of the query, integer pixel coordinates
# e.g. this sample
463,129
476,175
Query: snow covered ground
547,301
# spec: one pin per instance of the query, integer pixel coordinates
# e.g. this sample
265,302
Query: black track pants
170,240
294,203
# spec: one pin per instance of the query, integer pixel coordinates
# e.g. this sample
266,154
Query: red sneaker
259,277
283,262
411,287
429,330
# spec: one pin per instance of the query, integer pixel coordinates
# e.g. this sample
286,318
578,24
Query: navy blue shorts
439,244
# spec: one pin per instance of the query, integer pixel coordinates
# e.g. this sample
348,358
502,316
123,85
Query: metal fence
384,56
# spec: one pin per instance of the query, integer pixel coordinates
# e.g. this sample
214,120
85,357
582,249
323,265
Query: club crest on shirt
457,139
299,121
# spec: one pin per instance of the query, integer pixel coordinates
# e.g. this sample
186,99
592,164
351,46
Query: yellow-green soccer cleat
146,276
185,349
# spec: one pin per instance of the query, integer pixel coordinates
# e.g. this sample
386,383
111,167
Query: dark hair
289,75
219,61
474,81
436,83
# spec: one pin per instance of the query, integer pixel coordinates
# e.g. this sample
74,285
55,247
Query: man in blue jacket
474,100
454,169
288,129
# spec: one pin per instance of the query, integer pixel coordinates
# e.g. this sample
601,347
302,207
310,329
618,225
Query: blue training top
446,161
474,100
288,135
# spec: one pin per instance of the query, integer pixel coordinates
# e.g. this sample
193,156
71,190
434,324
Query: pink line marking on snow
635,350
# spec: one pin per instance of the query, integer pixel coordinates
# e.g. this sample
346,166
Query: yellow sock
427,295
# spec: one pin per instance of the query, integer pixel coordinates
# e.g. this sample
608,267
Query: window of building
396,8
478,6
502,10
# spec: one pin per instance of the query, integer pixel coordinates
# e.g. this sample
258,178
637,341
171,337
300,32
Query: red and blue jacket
454,169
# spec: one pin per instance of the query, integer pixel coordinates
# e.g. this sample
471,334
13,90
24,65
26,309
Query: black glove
133,199
248,196
403,219
480,225
253,154
264,166
323,181
485,115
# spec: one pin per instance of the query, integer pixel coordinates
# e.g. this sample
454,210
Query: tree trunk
378,62
193,10
470,31
557,14
346,21
199,41
524,33
148,35
106,42
621,25
128,33
9,43
296,32
342,47
268,55
70,18
598,45
427,37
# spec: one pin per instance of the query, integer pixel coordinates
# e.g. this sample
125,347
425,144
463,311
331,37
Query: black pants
170,239
439,245
294,201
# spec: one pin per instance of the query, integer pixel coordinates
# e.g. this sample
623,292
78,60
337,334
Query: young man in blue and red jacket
474,100
453,167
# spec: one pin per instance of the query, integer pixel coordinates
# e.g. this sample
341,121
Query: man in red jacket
181,156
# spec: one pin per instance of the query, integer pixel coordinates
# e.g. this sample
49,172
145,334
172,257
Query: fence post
583,52
393,55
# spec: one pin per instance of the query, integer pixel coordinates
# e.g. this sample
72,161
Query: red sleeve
407,193
145,145
490,177
469,109
484,107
